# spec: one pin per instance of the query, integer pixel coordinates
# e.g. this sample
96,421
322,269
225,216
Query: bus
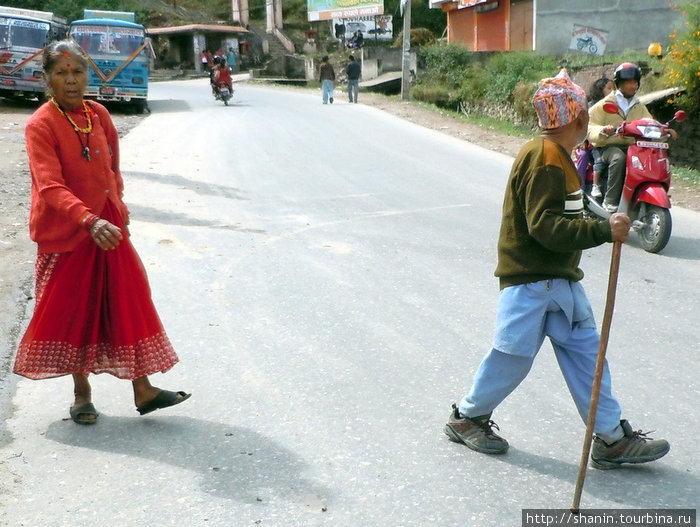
119,54
24,33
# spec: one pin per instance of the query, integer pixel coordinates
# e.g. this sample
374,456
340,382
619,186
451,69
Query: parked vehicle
24,33
119,54
647,181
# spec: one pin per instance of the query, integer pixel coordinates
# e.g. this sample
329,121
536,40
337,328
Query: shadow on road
233,462
652,485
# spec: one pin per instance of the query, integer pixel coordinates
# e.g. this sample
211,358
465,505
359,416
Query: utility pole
406,60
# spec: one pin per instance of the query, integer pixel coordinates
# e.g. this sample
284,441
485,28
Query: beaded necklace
78,129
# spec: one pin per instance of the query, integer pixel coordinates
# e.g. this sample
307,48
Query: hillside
162,14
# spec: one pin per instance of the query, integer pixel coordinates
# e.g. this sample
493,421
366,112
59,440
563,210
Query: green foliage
420,36
508,69
434,20
73,9
446,64
294,10
683,59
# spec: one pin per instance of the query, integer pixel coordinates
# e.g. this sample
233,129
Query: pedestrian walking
327,75
539,250
353,71
93,311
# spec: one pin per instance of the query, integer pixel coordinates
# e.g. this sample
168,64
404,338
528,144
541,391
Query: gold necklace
85,146
77,128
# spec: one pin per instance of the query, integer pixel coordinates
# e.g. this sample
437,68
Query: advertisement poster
372,27
588,40
330,9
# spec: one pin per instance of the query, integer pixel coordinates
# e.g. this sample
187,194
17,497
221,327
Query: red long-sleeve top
66,187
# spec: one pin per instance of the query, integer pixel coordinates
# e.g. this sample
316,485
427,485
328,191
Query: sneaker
331,100
595,192
476,433
634,447
610,208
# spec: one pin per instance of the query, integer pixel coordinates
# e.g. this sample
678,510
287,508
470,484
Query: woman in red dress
93,312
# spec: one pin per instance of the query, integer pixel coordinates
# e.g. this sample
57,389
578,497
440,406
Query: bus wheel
140,106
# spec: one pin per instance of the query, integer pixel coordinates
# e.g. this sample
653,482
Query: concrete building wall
630,24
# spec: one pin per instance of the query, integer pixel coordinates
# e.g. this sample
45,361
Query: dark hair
54,51
324,58
596,92
352,58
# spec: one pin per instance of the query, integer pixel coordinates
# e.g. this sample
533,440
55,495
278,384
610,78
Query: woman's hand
105,234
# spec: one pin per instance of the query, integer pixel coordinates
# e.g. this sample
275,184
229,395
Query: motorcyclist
602,127
221,75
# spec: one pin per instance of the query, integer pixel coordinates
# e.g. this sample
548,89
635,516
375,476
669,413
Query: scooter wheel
655,233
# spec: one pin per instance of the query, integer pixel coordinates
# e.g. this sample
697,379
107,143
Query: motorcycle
223,93
647,180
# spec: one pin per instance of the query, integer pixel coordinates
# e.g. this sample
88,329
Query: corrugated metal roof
204,28
657,95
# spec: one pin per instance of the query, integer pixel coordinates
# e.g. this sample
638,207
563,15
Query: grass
485,121
687,175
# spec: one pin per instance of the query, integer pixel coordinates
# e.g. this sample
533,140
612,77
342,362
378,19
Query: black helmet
626,71
217,60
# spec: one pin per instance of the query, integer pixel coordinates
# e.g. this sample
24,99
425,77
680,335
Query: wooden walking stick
598,375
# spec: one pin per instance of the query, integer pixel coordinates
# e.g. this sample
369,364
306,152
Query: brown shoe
634,447
476,433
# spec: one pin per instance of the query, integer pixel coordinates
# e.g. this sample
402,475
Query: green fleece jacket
542,230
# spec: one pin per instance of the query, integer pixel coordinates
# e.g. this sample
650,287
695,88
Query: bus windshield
20,33
110,40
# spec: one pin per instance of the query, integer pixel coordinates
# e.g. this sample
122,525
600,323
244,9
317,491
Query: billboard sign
371,27
330,9
588,40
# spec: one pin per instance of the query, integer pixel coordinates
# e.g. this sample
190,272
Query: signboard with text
330,9
372,27
588,40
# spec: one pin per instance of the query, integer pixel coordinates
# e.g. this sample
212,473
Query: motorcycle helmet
626,71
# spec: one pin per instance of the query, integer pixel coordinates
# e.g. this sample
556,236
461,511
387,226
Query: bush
509,69
683,59
447,64
420,36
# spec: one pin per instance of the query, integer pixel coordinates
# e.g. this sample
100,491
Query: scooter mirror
680,116
610,107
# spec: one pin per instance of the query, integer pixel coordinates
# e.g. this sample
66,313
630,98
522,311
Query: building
557,26
184,44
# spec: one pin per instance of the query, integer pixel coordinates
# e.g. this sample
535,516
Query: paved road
325,273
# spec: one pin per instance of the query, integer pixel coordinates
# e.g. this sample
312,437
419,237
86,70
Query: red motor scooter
647,180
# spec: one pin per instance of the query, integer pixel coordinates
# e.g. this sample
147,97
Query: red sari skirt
94,314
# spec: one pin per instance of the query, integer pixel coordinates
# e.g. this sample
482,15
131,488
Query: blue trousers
558,309
353,89
327,87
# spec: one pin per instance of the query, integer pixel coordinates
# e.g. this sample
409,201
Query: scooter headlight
636,163
650,131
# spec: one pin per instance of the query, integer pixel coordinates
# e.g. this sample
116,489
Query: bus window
4,33
126,40
28,34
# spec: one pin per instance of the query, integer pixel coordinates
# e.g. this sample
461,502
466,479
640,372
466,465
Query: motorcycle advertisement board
588,40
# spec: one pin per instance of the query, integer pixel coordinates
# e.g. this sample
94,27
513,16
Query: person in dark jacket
327,74
539,250
353,71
